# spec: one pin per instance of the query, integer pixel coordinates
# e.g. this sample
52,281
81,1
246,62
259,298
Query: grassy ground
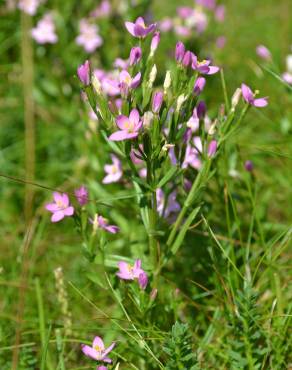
254,213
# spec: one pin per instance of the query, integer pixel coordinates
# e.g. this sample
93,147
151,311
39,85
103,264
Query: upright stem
152,227
29,123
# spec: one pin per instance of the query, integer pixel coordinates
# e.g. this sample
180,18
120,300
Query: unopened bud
167,82
147,119
96,84
152,76
166,147
153,294
180,100
212,129
235,98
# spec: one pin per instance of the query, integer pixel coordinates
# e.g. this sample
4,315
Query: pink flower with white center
129,272
129,126
248,96
204,66
97,351
114,171
44,32
139,29
60,208
89,37
82,195
127,82
100,222
166,206
29,6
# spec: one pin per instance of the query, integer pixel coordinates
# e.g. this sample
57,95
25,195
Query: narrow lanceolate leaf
167,177
183,230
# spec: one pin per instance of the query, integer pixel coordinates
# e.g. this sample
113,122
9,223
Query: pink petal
97,341
261,102
134,117
125,76
57,216
246,93
107,360
137,264
122,135
130,27
52,207
89,351
140,22
122,122
112,229
109,349
69,211
213,70
57,197
136,81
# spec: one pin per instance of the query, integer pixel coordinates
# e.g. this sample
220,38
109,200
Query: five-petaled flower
98,351
203,67
60,208
114,171
135,272
129,126
127,82
249,97
139,29
100,222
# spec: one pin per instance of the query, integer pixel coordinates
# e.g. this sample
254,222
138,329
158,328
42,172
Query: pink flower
114,171
166,206
287,77
248,165
154,42
103,10
135,55
157,101
220,13
127,82
129,126
139,29
29,6
82,195
97,351
128,272
210,4
44,32
83,73
220,42
263,52
166,24
204,66
121,63
60,208
248,96
192,158
199,85
100,222
212,148
143,280
89,37
101,367
179,51
185,12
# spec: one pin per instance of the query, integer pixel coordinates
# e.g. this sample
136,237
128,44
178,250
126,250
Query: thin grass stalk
29,121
